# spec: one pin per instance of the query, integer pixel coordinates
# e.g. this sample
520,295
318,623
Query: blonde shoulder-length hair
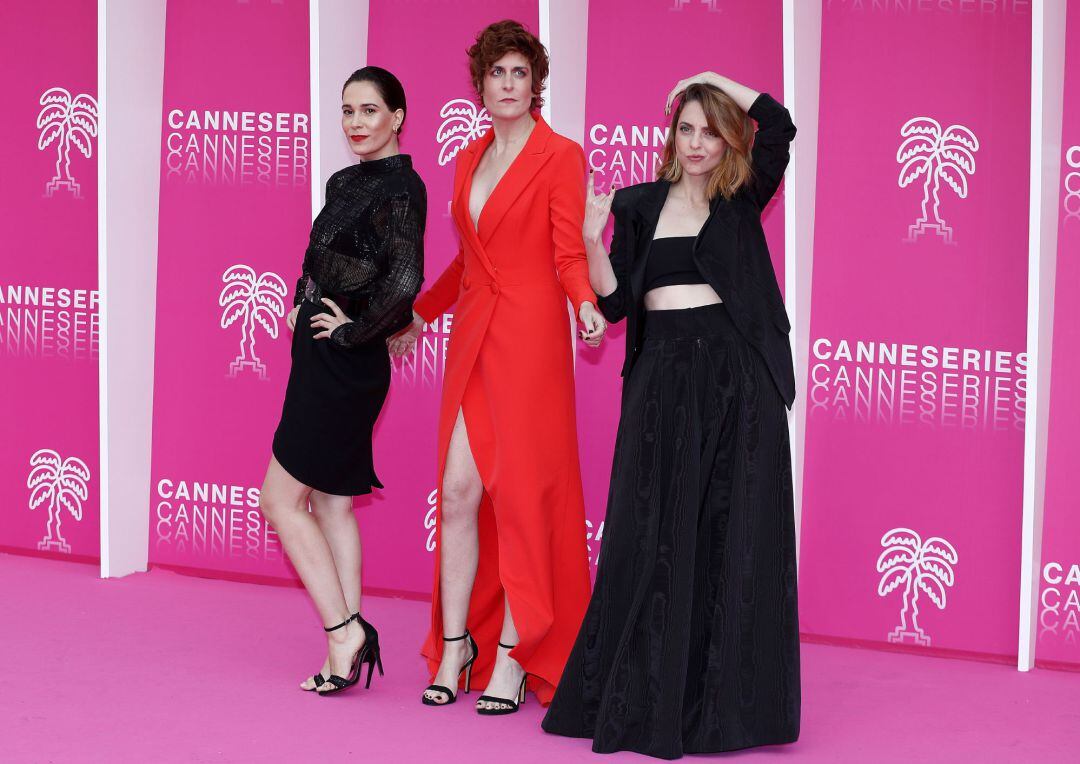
727,120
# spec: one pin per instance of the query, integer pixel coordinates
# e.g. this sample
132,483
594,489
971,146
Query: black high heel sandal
510,706
317,677
369,653
465,669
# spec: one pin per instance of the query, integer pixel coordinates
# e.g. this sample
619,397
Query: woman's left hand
594,324
328,323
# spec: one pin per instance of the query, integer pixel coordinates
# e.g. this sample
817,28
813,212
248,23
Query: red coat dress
510,371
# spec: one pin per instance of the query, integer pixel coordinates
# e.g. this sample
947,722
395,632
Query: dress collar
384,165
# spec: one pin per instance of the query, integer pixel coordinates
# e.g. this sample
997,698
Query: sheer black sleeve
402,217
305,269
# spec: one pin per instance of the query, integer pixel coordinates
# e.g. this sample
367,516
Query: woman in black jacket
363,266
691,639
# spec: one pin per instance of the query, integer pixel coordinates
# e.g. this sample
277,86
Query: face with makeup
369,124
698,148
508,87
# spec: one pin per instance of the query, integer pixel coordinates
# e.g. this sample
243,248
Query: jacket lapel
522,171
460,206
648,214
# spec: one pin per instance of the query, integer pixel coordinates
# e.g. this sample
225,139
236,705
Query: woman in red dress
512,579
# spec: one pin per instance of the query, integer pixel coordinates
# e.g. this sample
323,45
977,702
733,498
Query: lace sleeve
332,184
390,305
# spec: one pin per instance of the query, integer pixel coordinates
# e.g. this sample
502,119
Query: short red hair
500,38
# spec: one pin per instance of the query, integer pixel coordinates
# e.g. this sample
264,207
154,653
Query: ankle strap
508,647
353,617
456,639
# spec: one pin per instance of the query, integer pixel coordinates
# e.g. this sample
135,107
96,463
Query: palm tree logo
462,122
678,5
936,155
431,521
66,121
251,299
61,482
921,566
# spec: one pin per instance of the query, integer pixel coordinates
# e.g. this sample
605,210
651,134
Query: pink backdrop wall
48,288
624,129
1058,634
914,462
235,204
398,529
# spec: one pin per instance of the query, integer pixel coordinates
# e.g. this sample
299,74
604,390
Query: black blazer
730,251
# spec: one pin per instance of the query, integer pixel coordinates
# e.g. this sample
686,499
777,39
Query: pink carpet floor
162,667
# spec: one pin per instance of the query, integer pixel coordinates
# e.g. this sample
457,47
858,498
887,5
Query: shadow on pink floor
165,668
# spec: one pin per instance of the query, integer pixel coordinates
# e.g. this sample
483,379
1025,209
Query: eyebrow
349,105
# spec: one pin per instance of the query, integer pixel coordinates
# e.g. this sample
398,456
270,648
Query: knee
331,509
460,500
273,508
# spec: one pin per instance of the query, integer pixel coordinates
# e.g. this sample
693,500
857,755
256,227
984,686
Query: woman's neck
694,189
389,150
511,134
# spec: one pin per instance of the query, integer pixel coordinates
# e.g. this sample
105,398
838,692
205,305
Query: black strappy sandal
369,654
509,706
466,669
317,677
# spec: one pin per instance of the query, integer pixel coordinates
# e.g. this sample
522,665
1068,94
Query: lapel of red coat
522,171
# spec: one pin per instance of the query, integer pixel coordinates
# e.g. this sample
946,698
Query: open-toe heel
466,669
317,677
369,653
508,706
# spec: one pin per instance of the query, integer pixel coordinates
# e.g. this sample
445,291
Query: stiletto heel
509,706
317,677
465,669
369,653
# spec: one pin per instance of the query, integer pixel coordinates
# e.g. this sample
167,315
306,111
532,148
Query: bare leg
507,674
459,553
283,502
335,517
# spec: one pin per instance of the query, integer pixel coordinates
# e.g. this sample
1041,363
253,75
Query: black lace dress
366,253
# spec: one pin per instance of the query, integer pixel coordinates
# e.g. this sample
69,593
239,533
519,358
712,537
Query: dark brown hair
386,84
727,120
500,38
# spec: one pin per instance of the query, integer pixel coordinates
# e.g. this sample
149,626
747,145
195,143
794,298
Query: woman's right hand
597,209
401,343
290,319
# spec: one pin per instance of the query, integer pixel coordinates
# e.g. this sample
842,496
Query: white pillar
1047,94
802,77
339,44
131,62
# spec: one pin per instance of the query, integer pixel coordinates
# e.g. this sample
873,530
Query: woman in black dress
362,268
691,642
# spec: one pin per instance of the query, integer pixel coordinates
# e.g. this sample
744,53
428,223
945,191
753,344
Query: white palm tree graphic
61,482
64,120
921,566
936,155
251,299
462,122
431,521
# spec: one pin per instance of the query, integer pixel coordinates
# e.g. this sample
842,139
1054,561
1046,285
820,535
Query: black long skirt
333,398
691,640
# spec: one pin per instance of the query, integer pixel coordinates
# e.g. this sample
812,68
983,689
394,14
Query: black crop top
671,261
